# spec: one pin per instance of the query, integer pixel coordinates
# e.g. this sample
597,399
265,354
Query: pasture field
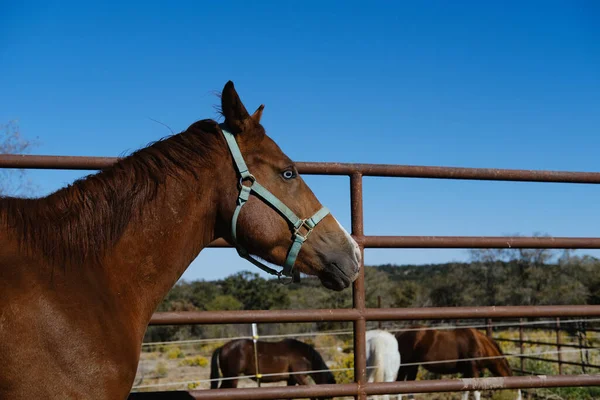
187,365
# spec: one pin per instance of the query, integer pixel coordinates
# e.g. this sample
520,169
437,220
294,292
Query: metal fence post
488,328
558,347
358,288
379,306
254,340
521,345
582,339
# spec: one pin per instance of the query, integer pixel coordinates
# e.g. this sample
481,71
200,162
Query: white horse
383,358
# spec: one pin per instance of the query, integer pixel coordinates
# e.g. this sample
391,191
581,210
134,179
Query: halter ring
250,178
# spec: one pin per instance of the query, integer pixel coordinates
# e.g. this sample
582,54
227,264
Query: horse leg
301,379
518,394
228,383
411,375
291,381
471,372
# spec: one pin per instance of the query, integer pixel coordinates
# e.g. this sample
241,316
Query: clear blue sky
471,84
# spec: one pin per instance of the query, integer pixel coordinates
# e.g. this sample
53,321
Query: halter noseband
296,224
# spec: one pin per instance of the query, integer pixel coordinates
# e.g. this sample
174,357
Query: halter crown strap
297,224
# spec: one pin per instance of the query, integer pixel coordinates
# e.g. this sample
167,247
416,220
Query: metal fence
578,330
359,314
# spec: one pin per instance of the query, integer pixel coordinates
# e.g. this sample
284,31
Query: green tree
407,294
225,303
254,292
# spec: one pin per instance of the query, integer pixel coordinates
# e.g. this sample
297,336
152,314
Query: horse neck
157,248
318,364
497,366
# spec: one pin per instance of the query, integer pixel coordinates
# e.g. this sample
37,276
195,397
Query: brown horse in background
83,269
431,345
284,358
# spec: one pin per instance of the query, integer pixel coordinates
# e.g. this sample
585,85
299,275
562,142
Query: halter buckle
288,280
306,226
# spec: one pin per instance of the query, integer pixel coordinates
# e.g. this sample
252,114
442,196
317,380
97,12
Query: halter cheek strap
301,228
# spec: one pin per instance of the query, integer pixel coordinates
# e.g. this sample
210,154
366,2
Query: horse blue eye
289,174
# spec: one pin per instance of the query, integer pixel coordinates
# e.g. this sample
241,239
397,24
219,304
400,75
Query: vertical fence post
521,345
586,343
488,327
581,335
358,288
558,346
379,306
254,340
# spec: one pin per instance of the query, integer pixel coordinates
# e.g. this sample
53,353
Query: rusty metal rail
465,242
359,314
324,168
370,314
426,386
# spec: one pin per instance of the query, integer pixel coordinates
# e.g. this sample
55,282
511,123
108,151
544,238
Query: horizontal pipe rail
250,316
426,386
466,242
273,392
333,168
487,242
370,314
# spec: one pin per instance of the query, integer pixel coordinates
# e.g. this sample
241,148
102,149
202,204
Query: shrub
344,361
209,347
197,361
174,353
161,370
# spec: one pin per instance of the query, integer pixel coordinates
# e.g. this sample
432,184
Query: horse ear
236,115
258,114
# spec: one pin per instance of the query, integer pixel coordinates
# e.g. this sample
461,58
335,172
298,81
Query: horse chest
68,353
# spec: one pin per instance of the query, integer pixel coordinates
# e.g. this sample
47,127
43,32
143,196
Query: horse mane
493,349
488,343
316,359
78,223
496,345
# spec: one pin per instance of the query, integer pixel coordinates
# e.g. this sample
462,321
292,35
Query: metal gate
359,314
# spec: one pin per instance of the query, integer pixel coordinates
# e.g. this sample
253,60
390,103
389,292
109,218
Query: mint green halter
296,224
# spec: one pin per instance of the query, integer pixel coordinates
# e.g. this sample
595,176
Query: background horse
383,358
421,346
83,269
283,358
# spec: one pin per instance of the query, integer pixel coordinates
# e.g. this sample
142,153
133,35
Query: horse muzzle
341,269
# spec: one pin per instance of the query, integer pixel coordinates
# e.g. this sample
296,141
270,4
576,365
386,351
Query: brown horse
284,358
431,345
83,269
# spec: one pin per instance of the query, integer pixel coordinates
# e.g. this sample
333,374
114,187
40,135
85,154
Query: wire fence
349,332
307,372
545,325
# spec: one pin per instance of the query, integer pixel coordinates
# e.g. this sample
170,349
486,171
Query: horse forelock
78,223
